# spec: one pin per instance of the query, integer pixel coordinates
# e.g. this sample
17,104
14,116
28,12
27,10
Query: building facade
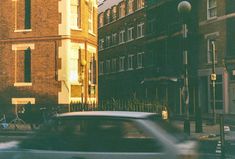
148,67
121,48
216,23
161,75
48,53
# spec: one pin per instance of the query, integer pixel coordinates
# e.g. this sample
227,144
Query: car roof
118,114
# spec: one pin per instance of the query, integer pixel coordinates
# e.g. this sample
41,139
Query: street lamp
184,9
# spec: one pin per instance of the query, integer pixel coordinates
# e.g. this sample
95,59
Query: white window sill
139,37
22,84
130,40
212,18
22,30
76,28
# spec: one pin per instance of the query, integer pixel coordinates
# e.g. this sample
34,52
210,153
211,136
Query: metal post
186,87
184,7
222,138
213,79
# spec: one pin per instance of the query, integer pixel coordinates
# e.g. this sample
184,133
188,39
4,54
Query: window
121,10
101,67
107,66
114,38
140,4
22,15
140,30
108,42
121,63
75,14
130,6
211,9
23,64
130,34
101,44
210,43
73,63
121,36
114,13
27,14
91,17
92,70
107,16
101,19
27,65
130,62
140,60
114,65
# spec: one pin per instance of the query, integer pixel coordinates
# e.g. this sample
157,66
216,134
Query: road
211,148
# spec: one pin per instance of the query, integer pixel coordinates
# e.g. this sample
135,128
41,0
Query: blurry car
103,135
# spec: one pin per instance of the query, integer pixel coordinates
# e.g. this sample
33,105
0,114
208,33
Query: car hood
9,145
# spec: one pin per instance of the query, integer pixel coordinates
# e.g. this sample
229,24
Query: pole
186,87
222,138
213,79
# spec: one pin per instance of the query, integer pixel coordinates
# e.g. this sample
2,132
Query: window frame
114,65
108,66
121,63
140,30
130,62
101,44
130,34
211,8
122,36
139,60
101,67
77,15
121,10
114,38
91,17
130,7
139,4
101,20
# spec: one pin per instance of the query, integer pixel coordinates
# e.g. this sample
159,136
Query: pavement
210,146
208,130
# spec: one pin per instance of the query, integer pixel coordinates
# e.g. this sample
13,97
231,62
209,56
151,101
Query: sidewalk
209,132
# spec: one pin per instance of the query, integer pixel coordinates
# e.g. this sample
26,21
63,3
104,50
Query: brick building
216,23
121,48
48,53
161,73
148,67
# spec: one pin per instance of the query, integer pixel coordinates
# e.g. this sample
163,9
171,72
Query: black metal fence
119,105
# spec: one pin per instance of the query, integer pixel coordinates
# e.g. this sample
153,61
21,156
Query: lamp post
213,79
184,9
